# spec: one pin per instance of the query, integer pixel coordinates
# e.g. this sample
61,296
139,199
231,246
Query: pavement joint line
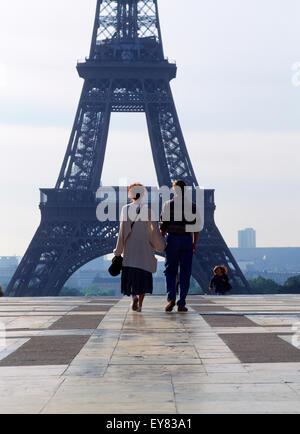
174,395
53,394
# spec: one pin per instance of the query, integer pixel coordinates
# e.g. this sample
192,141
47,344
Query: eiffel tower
126,71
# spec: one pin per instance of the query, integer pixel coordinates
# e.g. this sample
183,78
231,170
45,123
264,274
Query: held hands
195,248
210,289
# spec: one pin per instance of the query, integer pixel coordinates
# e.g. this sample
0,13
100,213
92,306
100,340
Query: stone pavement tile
211,350
137,374
98,341
192,326
93,308
204,354
84,313
87,369
105,301
32,371
22,308
191,302
6,320
233,330
228,321
27,395
143,322
230,392
257,398
19,405
277,320
210,308
266,309
153,338
283,372
50,308
151,373
222,359
224,367
261,348
206,342
81,332
96,406
156,354
239,407
69,322
32,314
159,361
21,333
187,373
106,333
32,322
295,387
279,329
220,378
46,350
276,368
13,387
110,325
102,353
95,357
114,398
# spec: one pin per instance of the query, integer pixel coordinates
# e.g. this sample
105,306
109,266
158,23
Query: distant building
8,266
277,263
247,238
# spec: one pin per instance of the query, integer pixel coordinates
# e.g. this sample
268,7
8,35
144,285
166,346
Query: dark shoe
135,304
182,309
170,306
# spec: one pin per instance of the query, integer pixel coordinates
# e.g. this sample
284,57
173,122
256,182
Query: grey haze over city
237,104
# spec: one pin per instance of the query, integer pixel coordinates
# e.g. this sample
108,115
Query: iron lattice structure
126,71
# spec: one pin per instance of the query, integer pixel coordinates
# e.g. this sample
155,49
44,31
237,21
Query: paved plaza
234,354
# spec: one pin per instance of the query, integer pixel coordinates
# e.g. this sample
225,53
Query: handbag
117,261
116,266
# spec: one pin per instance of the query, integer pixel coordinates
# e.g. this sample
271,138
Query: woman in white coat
138,239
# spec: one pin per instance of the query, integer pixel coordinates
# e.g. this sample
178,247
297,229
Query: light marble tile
32,371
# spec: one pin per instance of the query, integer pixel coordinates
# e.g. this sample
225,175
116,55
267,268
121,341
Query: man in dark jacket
182,237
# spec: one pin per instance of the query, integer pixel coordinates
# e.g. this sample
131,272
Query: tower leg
169,150
68,238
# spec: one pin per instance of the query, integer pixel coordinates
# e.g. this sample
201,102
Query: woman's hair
136,191
222,268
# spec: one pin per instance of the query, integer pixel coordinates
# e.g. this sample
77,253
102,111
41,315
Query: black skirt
135,281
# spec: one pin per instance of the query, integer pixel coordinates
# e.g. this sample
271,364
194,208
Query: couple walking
140,236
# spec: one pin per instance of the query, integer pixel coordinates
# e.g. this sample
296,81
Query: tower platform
233,354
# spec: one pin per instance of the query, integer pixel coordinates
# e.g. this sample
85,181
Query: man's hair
181,184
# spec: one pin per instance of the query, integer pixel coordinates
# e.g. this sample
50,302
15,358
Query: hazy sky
239,111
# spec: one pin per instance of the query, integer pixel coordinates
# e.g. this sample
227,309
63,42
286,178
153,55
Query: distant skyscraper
247,239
